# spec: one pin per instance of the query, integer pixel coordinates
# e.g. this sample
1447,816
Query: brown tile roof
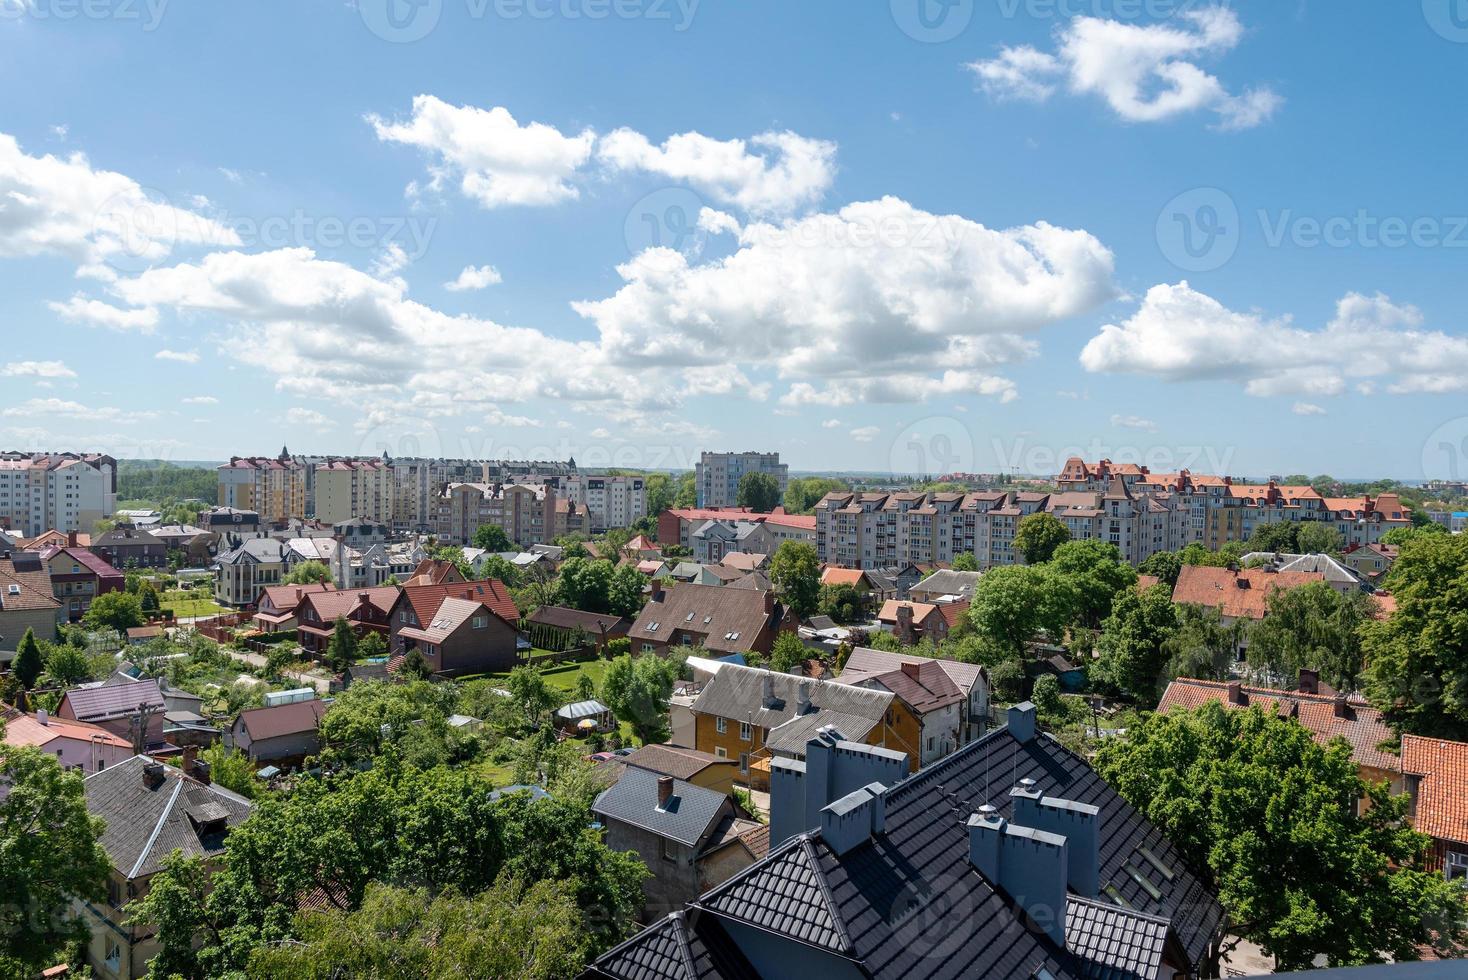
287,597
32,585
1242,594
1145,582
452,613
675,761
921,611
728,620
564,618
1352,719
282,719
743,562
925,686
1442,797
425,599
757,839
842,576
332,603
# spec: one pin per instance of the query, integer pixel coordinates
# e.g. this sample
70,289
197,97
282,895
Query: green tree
1096,570
416,666
658,491
495,567
529,691
373,718
492,538
1046,696
114,610
1165,566
795,571
1038,535
585,687
1014,602
174,909
1133,640
148,598
965,562
1418,657
760,492
843,603
51,858
1318,538
803,493
686,494
231,769
27,663
68,665
341,649
586,584
787,652
1401,535
1279,536
511,930
1311,626
1202,646
637,690
1268,816
308,573
372,646
624,591
455,556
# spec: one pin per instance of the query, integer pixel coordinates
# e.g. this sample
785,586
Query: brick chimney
71,539
911,669
1235,692
201,771
769,602
904,625
1341,708
665,791
190,756
152,774
1309,681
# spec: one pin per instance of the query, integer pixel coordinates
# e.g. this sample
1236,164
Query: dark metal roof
787,894
688,816
1114,943
674,950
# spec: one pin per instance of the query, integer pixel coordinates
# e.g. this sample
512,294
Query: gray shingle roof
146,824
786,893
689,816
1114,943
737,693
672,950
947,581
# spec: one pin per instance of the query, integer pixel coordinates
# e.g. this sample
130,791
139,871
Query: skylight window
1157,863
1116,896
1147,886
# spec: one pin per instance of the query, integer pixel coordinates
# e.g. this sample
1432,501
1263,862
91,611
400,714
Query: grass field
186,605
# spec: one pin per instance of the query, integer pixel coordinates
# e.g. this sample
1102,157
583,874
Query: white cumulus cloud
80,309
182,356
36,369
474,277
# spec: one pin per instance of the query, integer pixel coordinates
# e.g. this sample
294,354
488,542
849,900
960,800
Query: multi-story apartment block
717,475
62,491
527,513
610,501
276,489
1220,510
353,488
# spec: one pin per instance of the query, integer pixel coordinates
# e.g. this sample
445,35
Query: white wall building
64,491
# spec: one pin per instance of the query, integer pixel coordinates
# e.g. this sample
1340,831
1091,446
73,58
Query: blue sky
1225,237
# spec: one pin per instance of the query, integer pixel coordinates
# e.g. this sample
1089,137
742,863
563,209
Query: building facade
717,475
527,513
64,491
610,501
353,488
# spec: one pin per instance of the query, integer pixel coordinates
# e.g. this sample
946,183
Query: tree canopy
114,610
309,573
802,493
492,537
795,571
1268,815
1038,535
1014,602
1097,573
1133,643
760,492
27,664
1311,626
637,690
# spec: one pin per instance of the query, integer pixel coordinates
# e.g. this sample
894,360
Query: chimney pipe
1309,681
152,774
802,697
767,689
1235,692
1021,720
42,718
665,791
1341,708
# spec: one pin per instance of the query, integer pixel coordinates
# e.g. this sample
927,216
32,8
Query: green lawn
565,676
184,604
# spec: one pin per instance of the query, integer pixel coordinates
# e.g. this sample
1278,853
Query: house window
647,648
721,725
480,622
744,762
670,850
720,752
1456,867
744,731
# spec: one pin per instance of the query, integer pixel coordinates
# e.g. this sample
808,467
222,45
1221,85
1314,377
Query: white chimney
42,717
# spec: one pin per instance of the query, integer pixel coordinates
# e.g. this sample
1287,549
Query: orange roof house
1436,772
1238,594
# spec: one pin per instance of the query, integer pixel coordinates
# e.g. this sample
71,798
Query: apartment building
64,491
276,489
717,475
526,512
878,530
610,501
353,488
1220,510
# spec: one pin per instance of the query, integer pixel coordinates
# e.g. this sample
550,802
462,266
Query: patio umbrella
586,723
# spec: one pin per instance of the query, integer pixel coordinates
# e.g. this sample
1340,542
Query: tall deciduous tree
637,690
1133,642
1014,602
795,571
1268,816
802,493
309,573
51,857
758,491
492,537
1097,572
965,562
114,610
1311,626
1318,538
1419,656
658,488
1038,535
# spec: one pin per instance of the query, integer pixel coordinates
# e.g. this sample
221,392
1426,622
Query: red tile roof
22,728
1239,594
329,604
288,597
425,599
1361,725
843,576
1442,797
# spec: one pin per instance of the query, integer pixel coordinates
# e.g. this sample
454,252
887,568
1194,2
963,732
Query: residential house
1328,715
460,627
53,539
276,605
866,584
241,572
119,708
946,585
434,571
717,619
1009,860
149,811
914,621
195,544
745,562
230,520
1372,561
127,546
361,532
281,732
78,576
750,714
1339,575
1436,774
365,610
74,744
560,628
1238,594
27,601
65,491
691,838
702,769
868,667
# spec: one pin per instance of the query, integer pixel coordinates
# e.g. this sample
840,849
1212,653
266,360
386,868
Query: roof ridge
1071,897
158,828
808,847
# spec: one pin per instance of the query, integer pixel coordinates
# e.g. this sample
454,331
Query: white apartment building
717,475
611,501
64,491
348,488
